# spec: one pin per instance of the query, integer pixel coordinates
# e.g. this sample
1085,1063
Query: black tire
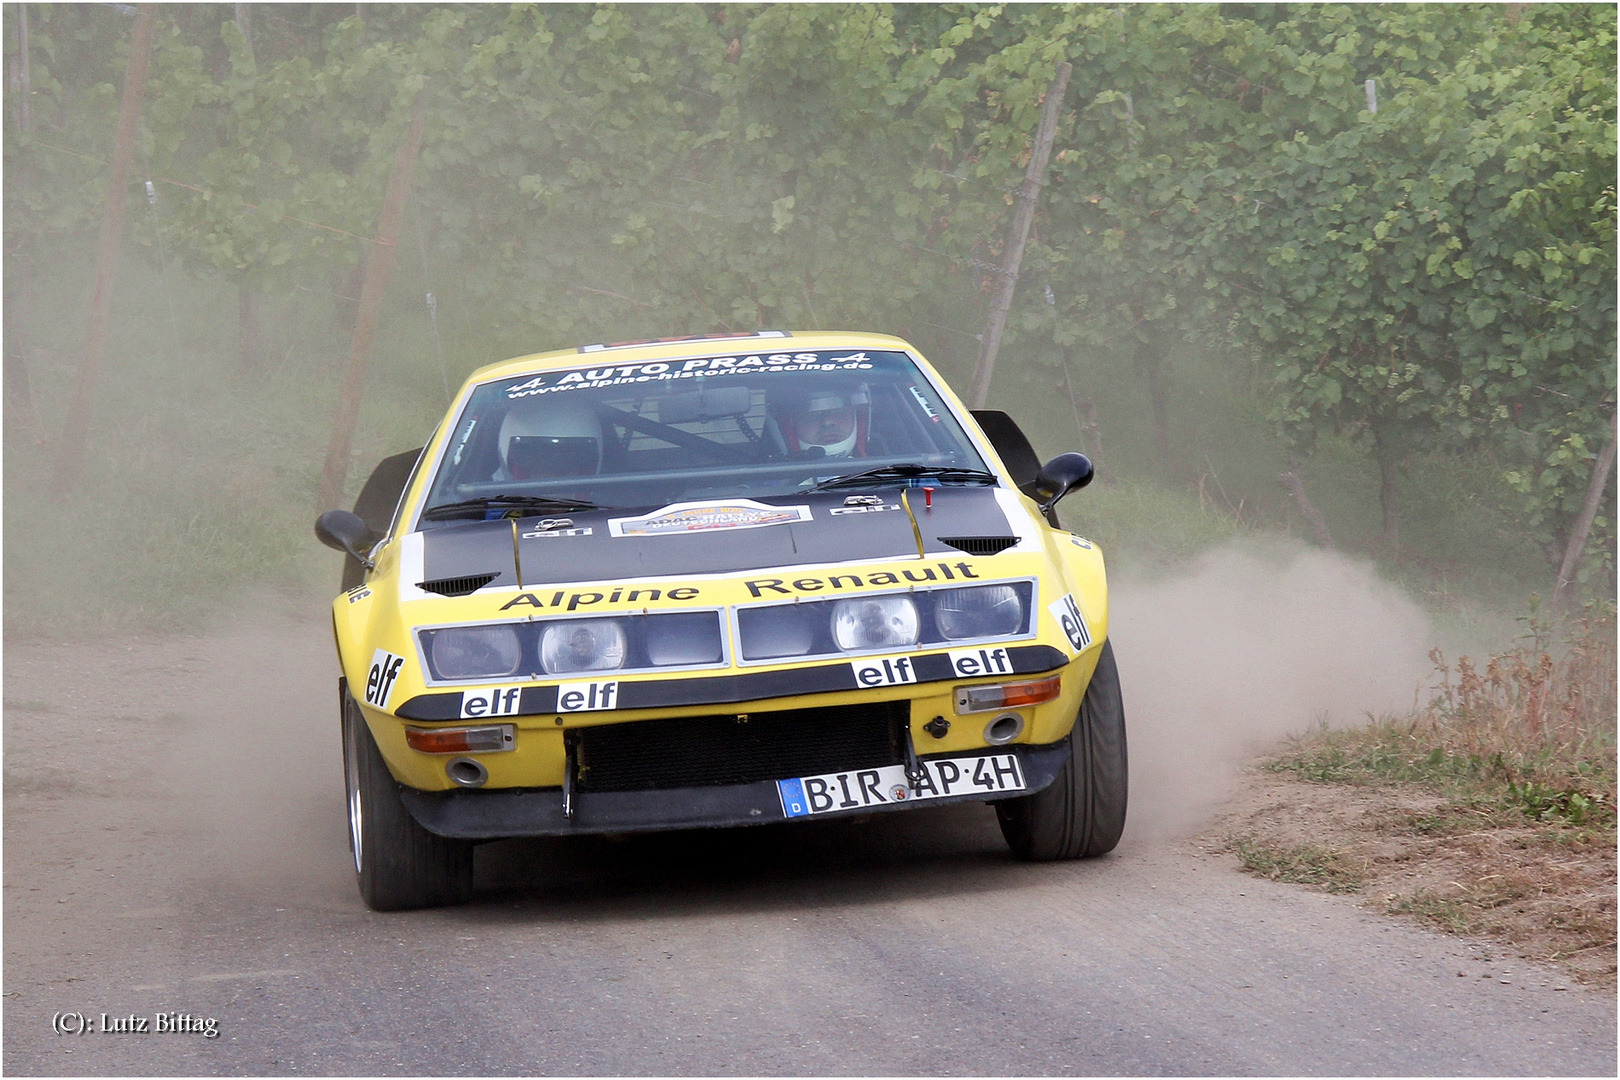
1082,812
399,865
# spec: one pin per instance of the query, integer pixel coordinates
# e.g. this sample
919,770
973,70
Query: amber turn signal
468,740
972,699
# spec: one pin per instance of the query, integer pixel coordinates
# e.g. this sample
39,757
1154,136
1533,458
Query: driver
829,421
549,438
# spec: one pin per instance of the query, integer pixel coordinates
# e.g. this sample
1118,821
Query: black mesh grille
980,545
701,750
458,586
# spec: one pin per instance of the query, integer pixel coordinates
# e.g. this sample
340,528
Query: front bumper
501,813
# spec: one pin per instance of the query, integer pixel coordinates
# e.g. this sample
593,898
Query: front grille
701,750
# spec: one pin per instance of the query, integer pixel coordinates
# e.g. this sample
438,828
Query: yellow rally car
716,581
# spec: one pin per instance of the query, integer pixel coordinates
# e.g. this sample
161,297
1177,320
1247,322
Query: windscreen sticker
682,518
462,443
382,676
1073,624
592,378
928,410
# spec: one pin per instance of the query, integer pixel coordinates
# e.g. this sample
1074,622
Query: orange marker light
972,699
473,740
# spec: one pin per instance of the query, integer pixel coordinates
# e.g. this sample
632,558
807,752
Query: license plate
864,788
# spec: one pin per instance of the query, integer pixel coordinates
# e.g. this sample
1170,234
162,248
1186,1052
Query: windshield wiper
477,507
886,474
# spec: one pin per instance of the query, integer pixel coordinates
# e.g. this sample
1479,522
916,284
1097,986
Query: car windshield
649,434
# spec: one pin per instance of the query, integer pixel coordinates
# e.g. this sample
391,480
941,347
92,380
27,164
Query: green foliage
1433,278
1542,803
1440,272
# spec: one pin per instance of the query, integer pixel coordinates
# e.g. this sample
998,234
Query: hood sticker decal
682,518
768,535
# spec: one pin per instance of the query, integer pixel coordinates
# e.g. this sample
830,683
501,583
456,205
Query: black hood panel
834,533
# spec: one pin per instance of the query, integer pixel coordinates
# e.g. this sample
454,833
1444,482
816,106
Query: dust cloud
224,744
1219,659
1246,644
257,795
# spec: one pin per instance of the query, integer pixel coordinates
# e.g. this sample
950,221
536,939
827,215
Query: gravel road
174,847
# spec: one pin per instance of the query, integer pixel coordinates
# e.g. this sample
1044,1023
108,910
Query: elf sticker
587,696
497,701
380,679
1073,624
884,672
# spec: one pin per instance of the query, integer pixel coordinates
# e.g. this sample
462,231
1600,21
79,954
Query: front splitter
501,813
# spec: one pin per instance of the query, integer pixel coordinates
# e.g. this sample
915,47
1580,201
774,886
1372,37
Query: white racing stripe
1019,520
410,568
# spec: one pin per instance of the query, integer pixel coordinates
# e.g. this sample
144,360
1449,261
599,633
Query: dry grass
1491,812
1330,869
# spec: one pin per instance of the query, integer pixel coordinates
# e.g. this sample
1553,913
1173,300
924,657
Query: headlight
589,645
879,622
775,631
987,611
471,652
682,640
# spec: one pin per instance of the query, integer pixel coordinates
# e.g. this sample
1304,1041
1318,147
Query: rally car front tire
399,865
1082,812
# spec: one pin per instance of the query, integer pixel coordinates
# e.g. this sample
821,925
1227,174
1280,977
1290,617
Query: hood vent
974,545
458,586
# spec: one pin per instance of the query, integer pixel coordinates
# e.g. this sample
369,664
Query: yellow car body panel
379,621
378,625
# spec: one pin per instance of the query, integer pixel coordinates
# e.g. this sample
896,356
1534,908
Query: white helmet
826,419
550,437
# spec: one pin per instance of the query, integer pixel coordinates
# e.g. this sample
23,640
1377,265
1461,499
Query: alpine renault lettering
716,581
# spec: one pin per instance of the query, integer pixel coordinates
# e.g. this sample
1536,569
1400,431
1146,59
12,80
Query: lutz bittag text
163,1023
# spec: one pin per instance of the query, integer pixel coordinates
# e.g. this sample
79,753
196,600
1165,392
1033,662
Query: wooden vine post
1013,257
112,231
1583,524
378,266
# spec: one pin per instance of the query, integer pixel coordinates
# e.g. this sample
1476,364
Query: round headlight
472,652
987,611
590,645
878,622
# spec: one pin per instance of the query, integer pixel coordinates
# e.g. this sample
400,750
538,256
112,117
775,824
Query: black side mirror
343,531
1061,475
